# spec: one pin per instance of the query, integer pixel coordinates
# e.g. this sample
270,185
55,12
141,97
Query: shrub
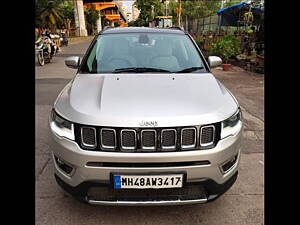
199,41
226,47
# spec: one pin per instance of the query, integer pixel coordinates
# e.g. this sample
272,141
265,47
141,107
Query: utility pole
166,7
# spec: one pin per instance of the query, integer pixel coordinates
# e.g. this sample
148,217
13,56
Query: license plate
148,181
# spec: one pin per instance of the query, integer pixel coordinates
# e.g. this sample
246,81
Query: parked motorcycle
54,45
64,39
44,50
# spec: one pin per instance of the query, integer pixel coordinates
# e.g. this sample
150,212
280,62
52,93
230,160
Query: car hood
135,100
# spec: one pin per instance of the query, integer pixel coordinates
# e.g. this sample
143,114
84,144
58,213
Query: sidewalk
78,39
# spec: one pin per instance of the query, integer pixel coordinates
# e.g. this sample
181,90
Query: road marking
261,162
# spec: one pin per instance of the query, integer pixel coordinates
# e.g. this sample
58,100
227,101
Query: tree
67,8
54,14
91,16
193,9
49,14
149,9
231,2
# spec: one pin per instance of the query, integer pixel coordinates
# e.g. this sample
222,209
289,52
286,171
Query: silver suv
144,122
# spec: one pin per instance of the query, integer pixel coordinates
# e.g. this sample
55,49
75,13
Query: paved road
242,204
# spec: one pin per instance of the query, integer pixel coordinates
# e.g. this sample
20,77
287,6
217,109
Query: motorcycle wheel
41,59
50,59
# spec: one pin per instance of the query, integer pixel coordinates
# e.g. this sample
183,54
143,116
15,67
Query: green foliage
91,16
200,8
193,9
232,2
189,8
226,47
51,14
199,41
67,9
138,23
149,9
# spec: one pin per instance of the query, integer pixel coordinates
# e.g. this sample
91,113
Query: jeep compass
145,122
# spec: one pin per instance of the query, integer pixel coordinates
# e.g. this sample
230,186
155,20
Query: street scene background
239,43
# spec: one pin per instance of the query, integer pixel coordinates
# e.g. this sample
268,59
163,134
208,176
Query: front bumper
213,181
212,191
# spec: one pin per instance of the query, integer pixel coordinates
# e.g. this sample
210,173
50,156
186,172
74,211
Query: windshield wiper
191,69
140,70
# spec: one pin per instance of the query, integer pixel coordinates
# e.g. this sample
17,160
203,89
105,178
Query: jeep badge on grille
148,123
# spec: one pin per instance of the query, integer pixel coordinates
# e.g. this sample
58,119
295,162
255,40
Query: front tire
41,59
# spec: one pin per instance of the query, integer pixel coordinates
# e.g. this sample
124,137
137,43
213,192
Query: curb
78,39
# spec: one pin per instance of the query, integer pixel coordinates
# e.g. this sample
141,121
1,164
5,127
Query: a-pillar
79,18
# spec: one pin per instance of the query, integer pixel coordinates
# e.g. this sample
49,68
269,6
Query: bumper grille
143,140
189,191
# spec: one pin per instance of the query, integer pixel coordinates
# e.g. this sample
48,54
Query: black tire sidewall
41,60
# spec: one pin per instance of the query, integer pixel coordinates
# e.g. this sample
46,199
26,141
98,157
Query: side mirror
72,62
214,61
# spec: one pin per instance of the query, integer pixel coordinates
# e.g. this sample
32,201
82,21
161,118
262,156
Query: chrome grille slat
88,137
188,137
108,138
168,140
128,139
207,135
148,139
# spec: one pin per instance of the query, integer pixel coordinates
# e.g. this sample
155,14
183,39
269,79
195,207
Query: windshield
154,51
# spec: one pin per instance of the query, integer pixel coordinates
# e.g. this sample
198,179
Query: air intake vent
65,167
168,138
228,165
188,138
108,138
207,135
148,139
88,137
128,139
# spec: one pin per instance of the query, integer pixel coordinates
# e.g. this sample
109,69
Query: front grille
147,140
88,137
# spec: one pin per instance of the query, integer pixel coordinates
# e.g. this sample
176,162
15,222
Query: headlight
61,127
232,125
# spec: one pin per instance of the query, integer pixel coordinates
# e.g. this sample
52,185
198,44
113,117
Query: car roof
118,30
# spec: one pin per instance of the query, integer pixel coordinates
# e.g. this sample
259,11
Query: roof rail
107,27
